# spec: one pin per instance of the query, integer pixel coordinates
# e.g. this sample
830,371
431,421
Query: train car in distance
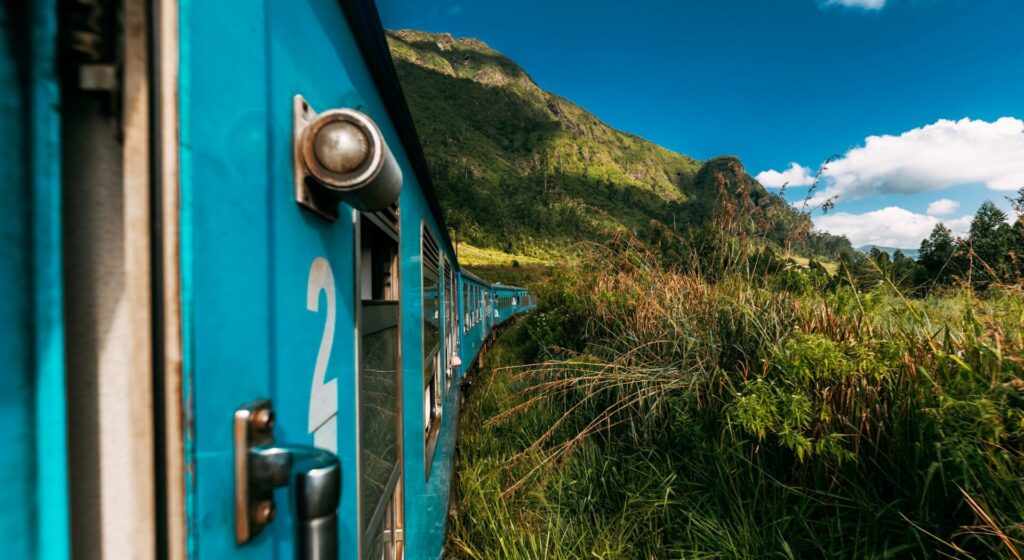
236,326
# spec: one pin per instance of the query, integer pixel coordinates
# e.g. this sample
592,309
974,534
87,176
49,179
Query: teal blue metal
426,497
268,288
504,309
34,520
249,252
473,321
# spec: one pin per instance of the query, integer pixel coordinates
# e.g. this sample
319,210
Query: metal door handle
313,474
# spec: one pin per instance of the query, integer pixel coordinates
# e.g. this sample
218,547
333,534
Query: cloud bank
795,176
933,157
889,227
930,158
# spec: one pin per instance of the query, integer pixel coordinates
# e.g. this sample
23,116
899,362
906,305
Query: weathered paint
246,251
245,256
34,522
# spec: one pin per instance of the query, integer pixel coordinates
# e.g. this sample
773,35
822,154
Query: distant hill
912,253
526,171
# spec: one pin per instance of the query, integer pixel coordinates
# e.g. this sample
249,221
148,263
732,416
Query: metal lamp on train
341,155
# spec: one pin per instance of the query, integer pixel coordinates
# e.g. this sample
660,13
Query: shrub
678,416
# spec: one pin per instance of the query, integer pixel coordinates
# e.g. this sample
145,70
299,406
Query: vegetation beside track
758,415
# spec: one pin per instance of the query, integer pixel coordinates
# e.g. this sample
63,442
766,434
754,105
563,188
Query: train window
465,306
450,318
431,345
379,384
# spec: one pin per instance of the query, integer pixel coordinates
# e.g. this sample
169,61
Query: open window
451,322
465,308
380,418
431,274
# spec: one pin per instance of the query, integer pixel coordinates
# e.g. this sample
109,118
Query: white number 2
323,397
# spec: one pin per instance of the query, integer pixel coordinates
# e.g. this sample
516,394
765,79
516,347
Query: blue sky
909,93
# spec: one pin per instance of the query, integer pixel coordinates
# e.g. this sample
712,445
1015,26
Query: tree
1017,202
991,240
856,270
1017,234
902,271
881,260
936,256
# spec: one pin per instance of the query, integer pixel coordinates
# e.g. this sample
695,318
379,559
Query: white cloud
796,176
866,4
933,157
889,227
942,207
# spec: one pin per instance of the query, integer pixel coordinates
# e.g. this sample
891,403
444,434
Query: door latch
313,475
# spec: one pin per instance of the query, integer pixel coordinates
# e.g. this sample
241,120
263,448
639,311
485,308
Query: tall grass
757,414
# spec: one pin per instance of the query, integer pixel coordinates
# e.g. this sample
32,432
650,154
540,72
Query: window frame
450,318
433,400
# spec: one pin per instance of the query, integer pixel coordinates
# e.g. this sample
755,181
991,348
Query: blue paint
245,260
473,337
224,258
247,248
51,450
35,522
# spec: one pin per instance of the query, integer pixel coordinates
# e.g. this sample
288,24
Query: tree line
990,253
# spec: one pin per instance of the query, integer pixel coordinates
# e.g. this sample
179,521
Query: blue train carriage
508,302
222,221
475,323
348,328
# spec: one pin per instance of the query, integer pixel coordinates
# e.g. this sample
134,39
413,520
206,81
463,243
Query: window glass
379,404
450,318
431,295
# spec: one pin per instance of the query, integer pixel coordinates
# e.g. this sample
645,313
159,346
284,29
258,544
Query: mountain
524,170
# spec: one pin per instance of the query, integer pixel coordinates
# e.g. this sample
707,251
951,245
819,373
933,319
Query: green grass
480,256
754,416
527,271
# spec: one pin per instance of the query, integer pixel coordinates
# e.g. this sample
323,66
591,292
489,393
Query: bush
676,416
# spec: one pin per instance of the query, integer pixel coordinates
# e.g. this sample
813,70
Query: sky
919,103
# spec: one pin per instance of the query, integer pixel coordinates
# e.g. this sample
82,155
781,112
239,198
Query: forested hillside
526,171
697,389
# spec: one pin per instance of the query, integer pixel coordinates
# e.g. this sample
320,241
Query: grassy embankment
494,265
755,416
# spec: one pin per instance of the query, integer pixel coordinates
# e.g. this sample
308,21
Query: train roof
473,277
365,23
507,286
496,285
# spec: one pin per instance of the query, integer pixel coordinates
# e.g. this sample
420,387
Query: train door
290,307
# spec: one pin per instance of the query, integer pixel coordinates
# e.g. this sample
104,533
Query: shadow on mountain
526,171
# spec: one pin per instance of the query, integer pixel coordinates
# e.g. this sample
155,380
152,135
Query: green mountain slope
524,170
